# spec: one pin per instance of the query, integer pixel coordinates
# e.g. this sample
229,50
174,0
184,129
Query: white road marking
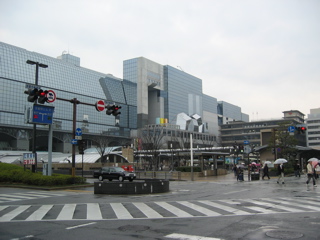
179,236
82,225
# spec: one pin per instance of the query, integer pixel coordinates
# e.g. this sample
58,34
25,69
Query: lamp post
35,125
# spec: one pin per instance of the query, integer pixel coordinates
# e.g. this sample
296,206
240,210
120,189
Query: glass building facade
68,81
148,91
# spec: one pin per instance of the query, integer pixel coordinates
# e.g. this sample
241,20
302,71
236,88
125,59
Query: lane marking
82,225
178,236
236,191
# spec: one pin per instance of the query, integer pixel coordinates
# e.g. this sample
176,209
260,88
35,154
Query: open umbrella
280,160
267,162
254,163
314,161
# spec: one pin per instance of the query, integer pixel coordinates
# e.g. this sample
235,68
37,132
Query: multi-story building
313,128
148,92
258,133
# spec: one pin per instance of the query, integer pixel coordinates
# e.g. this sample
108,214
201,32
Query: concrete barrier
147,186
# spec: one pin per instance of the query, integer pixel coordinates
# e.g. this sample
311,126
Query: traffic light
109,109
37,94
113,109
43,96
32,94
81,146
116,110
301,129
241,149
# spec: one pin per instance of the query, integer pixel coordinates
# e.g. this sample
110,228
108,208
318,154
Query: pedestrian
281,173
240,174
265,171
296,169
310,174
235,169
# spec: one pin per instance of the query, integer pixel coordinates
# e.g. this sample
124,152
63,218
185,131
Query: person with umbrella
280,161
310,173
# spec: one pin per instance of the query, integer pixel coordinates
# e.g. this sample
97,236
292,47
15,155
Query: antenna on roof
180,68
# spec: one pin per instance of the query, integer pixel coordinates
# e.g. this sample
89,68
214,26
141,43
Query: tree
102,146
151,139
282,142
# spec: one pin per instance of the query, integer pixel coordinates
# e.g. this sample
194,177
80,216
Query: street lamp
35,125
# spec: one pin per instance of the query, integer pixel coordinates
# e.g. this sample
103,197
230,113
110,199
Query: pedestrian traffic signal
43,96
113,109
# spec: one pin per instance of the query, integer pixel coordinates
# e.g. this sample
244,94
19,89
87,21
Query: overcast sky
261,55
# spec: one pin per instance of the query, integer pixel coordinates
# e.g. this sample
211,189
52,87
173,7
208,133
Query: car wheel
121,179
110,180
100,178
131,179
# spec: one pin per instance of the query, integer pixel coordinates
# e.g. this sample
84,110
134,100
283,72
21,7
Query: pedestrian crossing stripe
157,210
27,196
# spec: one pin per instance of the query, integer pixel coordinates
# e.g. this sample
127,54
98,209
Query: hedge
10,173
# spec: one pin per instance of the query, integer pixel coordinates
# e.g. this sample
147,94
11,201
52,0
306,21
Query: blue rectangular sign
42,114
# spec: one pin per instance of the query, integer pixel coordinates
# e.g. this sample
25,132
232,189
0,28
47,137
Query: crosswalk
27,196
157,209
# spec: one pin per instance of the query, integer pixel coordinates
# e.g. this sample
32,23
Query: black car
111,173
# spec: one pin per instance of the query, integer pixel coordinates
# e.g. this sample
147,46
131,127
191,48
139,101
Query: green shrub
10,173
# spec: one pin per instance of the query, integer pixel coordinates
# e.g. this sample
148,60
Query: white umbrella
313,159
280,160
267,162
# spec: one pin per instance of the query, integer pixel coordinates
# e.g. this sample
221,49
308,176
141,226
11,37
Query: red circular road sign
100,106
51,95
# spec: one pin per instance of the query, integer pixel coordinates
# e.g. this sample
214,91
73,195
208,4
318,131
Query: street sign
42,114
29,158
79,137
246,142
247,149
100,105
78,132
51,95
291,129
74,141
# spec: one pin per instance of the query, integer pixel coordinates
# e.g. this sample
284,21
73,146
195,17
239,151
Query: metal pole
34,142
74,101
50,150
191,156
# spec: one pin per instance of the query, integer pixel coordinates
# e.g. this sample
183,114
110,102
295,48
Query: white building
313,128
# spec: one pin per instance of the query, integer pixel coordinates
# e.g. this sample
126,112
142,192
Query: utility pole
35,125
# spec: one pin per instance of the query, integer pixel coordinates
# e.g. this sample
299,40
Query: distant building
313,128
258,133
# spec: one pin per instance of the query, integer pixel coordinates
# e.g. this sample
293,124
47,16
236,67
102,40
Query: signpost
29,158
42,114
51,95
78,134
100,105
291,130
